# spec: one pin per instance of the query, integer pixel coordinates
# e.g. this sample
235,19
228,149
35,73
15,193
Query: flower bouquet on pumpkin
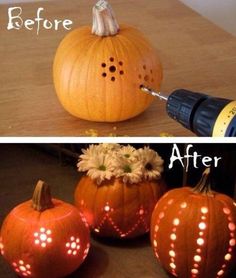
120,189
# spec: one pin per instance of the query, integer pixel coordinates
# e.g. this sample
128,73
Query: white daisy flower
109,147
152,163
128,152
130,172
85,158
100,168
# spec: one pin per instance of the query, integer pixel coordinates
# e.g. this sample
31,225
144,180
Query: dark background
21,165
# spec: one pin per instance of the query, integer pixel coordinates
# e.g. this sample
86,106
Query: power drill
202,114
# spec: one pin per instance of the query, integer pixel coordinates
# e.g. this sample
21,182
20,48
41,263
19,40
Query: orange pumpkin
193,232
44,237
98,71
117,209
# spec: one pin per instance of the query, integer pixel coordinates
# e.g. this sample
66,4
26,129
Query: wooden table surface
195,53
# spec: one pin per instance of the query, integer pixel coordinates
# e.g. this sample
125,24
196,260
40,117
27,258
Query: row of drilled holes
112,69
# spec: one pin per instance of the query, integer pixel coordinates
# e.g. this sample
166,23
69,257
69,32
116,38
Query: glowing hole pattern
86,251
173,238
200,242
156,229
84,219
107,209
43,237
73,246
173,235
1,247
232,241
22,268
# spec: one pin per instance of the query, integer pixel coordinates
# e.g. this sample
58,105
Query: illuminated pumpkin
193,232
117,209
98,71
44,237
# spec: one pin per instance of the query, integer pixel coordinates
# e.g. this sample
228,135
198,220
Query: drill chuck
202,114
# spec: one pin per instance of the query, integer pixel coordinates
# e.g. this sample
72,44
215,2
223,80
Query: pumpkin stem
204,185
42,199
104,21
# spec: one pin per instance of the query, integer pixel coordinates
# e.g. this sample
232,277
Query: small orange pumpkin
44,237
193,232
98,72
117,209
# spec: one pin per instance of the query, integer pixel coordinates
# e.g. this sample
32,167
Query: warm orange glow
202,226
42,237
173,237
226,211
220,273
228,257
172,265
176,221
86,251
170,202
107,208
21,268
200,241
96,230
141,211
155,243
197,258
204,210
232,226
194,271
232,242
73,246
1,247
156,228
161,215
172,253
183,205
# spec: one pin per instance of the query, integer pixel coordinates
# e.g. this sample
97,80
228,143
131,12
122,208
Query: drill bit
160,95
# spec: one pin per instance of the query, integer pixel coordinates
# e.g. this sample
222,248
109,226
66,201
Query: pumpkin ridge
75,66
131,37
121,38
120,81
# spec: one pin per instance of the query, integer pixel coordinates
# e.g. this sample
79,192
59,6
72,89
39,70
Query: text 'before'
17,22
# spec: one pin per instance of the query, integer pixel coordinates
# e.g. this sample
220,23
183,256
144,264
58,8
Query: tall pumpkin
98,71
44,237
117,209
193,232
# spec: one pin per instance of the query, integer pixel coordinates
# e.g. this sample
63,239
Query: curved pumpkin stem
104,21
204,185
42,199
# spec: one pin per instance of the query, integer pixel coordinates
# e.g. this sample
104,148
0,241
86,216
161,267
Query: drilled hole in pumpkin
121,72
121,63
104,65
144,67
151,71
104,74
112,68
146,78
152,80
140,76
112,59
113,78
